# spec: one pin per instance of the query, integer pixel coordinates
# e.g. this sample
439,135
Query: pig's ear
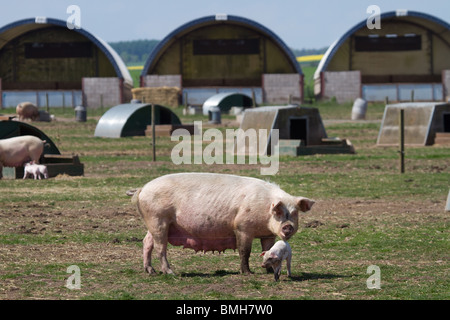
305,204
262,254
277,208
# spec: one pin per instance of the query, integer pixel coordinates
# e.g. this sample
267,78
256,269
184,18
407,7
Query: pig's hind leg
147,252
160,240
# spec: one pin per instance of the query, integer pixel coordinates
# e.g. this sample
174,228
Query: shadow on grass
317,276
218,273
302,277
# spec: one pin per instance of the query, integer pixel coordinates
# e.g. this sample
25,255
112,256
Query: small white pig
36,170
275,256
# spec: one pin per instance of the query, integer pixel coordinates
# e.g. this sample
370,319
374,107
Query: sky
310,24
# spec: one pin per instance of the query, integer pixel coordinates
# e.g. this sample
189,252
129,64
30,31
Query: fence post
153,133
402,140
46,102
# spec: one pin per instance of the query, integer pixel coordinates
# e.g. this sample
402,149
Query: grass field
366,214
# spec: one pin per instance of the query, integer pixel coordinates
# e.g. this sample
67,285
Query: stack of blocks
101,92
279,87
343,85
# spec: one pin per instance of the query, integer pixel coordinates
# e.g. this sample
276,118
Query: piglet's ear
262,254
273,255
305,204
277,208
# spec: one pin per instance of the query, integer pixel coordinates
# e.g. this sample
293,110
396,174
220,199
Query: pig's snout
287,231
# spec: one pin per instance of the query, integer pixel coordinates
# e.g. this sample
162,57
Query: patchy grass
366,214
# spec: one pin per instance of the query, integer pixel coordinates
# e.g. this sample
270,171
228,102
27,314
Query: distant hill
136,52
308,52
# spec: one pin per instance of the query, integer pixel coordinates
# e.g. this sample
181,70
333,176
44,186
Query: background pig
27,110
275,256
214,212
36,170
14,152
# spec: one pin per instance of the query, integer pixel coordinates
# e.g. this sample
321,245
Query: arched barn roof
18,28
132,119
11,129
434,25
193,25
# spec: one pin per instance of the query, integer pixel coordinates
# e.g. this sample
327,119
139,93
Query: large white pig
14,152
214,212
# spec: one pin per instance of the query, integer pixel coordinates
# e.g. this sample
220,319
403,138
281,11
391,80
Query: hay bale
166,96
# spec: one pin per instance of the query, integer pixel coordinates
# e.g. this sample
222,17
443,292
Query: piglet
274,257
36,170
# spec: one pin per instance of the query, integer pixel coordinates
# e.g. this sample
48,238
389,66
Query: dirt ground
34,219
40,239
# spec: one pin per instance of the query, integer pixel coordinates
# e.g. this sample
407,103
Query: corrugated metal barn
41,60
217,53
409,53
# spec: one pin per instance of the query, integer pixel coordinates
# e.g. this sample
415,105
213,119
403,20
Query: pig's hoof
247,272
169,271
150,270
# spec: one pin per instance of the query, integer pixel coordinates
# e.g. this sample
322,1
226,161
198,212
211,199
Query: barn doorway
298,129
446,117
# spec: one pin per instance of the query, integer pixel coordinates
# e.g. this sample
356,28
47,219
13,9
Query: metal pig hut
52,158
226,100
132,119
425,124
301,130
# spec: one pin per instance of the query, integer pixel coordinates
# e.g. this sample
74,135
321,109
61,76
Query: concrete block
447,207
290,143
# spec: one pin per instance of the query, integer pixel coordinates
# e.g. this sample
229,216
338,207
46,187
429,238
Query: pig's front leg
277,270
266,244
244,245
